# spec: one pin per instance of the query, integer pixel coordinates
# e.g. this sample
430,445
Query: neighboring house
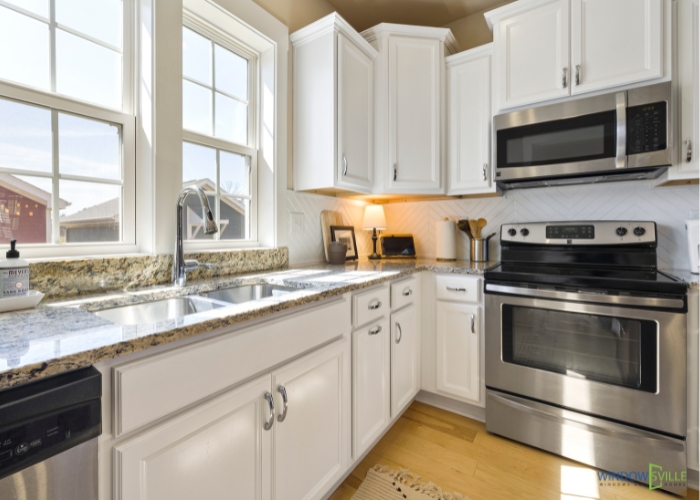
25,211
101,222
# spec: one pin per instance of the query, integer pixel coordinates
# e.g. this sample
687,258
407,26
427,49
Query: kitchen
419,247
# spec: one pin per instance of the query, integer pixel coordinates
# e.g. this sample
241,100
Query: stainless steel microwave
617,136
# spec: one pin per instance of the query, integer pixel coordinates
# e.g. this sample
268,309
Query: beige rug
384,484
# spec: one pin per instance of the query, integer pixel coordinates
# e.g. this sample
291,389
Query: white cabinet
532,55
371,385
219,450
410,114
549,49
615,43
405,358
469,118
333,110
312,436
458,350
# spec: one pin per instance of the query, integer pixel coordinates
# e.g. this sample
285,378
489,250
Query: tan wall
296,14
472,31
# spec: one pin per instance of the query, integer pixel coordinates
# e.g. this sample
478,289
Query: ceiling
363,14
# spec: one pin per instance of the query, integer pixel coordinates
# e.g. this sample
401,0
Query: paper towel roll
446,241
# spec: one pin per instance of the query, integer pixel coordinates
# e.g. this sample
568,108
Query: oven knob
512,232
621,231
524,231
639,231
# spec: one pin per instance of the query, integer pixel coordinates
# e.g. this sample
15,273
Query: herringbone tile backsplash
669,207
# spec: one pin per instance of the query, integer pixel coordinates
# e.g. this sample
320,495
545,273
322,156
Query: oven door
610,360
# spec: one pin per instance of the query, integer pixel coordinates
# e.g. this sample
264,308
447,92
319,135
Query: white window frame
125,118
250,150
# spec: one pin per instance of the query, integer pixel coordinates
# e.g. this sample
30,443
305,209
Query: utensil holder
479,249
336,253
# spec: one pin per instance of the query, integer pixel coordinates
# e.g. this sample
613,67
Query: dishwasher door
48,437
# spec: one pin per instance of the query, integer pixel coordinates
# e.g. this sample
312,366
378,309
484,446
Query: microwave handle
621,116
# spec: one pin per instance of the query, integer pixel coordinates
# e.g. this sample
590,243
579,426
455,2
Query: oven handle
588,297
507,401
621,112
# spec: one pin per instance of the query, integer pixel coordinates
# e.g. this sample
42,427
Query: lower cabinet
371,358
458,350
405,358
249,443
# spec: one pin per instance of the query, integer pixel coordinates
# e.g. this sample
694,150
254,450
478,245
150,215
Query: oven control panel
580,233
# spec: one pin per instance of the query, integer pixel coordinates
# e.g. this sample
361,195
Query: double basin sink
179,307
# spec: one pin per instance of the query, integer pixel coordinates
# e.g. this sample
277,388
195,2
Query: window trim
123,117
228,41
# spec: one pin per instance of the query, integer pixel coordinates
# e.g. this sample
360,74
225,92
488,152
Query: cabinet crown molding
385,30
513,9
332,22
469,55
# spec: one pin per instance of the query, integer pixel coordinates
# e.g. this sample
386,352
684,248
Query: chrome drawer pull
578,74
283,392
484,171
399,332
473,331
375,331
563,77
407,292
271,404
375,306
450,289
345,166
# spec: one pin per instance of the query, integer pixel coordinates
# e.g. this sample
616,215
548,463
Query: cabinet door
219,450
371,400
532,50
405,359
355,117
415,68
470,126
615,43
458,350
689,71
312,440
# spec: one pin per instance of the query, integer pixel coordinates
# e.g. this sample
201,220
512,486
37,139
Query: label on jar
15,281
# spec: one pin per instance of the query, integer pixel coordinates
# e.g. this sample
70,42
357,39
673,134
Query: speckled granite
64,278
64,335
691,279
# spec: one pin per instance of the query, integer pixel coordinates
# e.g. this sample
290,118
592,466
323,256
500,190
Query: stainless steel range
586,347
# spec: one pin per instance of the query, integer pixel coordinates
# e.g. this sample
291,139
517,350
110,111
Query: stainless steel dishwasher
48,437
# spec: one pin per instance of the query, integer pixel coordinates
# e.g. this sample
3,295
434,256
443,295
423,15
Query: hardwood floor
457,454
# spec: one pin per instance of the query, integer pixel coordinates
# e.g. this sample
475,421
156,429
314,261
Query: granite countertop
63,335
684,275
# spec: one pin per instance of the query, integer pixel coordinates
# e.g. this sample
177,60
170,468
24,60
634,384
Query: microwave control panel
646,128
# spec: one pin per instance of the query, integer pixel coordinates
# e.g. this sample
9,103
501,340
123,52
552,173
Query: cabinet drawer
154,387
369,306
402,293
459,288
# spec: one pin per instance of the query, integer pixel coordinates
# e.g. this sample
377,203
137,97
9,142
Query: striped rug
384,484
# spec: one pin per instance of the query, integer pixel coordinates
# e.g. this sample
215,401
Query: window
219,149
66,128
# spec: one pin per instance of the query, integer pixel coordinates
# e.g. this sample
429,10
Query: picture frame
345,234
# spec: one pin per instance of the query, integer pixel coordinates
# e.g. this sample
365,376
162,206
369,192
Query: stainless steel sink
248,293
160,310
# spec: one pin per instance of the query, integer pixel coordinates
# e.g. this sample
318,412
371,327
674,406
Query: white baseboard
447,404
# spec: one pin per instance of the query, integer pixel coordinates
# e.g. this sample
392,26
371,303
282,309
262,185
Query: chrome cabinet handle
564,71
399,332
375,306
577,81
271,404
285,401
689,151
484,170
395,170
450,289
473,331
375,331
407,292
345,166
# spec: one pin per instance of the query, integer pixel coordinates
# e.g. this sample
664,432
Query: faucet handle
193,265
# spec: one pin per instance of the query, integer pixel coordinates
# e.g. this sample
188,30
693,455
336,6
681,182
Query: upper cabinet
549,49
410,107
333,108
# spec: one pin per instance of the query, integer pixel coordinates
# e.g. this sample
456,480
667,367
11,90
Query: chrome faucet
180,265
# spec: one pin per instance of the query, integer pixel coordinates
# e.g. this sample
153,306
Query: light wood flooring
457,454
